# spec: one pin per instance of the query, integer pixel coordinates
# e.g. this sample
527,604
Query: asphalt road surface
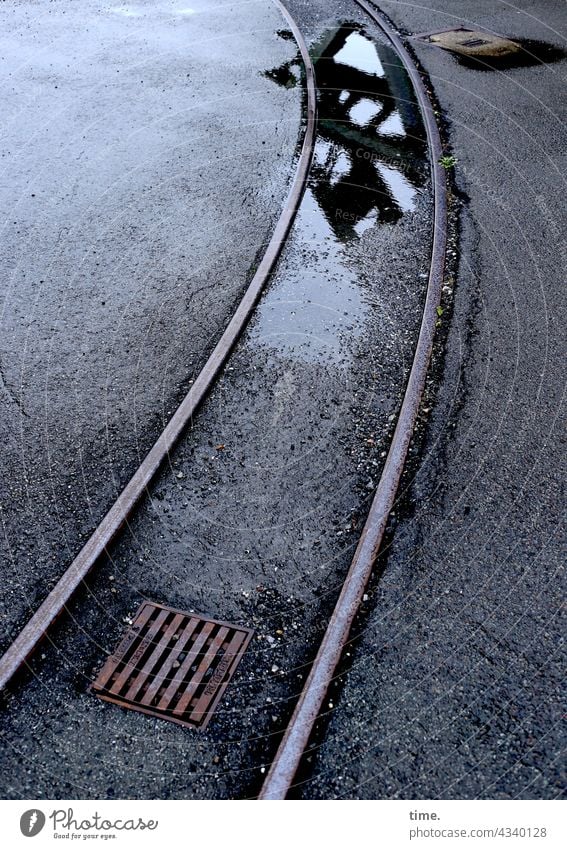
456,684
146,158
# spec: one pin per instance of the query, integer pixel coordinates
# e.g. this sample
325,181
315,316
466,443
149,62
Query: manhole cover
172,665
470,42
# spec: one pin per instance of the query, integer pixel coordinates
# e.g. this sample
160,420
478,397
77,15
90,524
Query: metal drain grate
172,665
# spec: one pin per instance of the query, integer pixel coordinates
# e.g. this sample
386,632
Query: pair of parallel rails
296,737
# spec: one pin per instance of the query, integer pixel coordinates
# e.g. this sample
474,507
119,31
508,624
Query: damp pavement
257,514
256,517
456,681
145,158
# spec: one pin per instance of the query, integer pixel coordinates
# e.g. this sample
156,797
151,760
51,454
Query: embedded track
26,641
296,736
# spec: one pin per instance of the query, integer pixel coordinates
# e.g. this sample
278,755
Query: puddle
368,115
315,300
369,166
364,112
359,54
371,152
287,75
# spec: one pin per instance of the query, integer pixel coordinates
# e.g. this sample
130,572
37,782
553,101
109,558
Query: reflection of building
371,154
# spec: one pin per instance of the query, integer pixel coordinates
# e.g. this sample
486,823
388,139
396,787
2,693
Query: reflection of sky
392,126
366,223
364,105
315,306
368,123
364,112
311,307
370,157
341,167
360,53
401,188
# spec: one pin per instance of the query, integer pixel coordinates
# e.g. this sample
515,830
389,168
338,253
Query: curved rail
281,774
106,531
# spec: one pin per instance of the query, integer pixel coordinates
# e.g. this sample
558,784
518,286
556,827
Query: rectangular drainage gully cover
172,665
470,42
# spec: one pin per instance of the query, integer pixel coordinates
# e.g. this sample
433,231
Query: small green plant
448,161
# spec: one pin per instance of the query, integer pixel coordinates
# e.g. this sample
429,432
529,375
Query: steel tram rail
28,638
296,737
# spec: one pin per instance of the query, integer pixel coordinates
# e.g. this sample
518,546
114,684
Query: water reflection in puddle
316,298
369,165
357,53
368,115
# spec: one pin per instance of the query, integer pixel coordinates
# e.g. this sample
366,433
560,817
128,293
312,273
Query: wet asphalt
145,159
456,682
256,517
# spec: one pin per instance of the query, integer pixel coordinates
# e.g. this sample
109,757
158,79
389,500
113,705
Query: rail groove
296,737
54,604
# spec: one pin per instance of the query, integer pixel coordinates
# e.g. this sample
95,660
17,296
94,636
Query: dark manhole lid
470,42
172,665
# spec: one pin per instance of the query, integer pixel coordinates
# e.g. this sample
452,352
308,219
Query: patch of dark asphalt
454,689
142,175
258,531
